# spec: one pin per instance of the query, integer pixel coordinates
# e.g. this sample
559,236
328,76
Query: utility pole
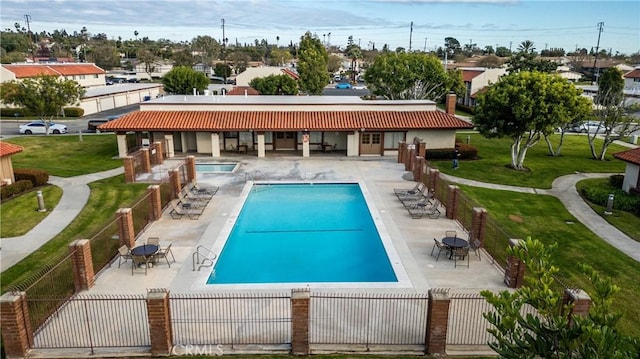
410,36
328,40
33,55
595,57
224,53
425,44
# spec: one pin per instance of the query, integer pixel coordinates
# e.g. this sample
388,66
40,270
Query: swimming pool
303,233
207,167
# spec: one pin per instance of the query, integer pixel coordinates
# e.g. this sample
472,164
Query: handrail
202,258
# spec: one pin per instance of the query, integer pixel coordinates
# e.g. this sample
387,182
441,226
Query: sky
566,24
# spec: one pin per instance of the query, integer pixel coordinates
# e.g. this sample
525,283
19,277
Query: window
315,137
246,138
391,139
230,135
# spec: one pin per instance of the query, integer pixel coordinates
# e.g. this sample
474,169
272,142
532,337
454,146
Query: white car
589,126
40,127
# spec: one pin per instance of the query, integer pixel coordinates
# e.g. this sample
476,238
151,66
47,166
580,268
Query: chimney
450,104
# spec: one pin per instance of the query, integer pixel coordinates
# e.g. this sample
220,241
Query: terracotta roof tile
634,74
468,75
283,120
293,75
24,71
7,149
631,156
240,90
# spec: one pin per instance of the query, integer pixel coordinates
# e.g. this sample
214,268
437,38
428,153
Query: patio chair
138,261
164,253
452,234
153,240
124,253
440,247
405,191
180,209
459,255
432,212
475,246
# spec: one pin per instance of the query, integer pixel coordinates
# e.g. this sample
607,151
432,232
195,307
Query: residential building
87,75
6,166
475,80
632,172
632,80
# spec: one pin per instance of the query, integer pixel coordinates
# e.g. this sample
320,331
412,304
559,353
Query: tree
222,70
148,58
207,47
334,63
612,113
275,85
552,333
43,95
526,60
181,80
312,65
354,53
410,76
105,56
279,57
490,61
183,58
526,106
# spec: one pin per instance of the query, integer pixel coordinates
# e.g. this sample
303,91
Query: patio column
410,158
417,169
261,144
514,273
215,144
190,164
129,169
146,160
478,224
157,153
401,148
452,202
126,230
82,264
17,334
122,144
159,317
174,180
168,139
434,178
300,321
155,202
581,303
305,145
437,321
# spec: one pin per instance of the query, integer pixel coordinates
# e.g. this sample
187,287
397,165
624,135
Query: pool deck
411,238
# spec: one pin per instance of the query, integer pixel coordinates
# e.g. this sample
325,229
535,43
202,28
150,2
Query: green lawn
67,156
19,215
546,219
495,156
627,222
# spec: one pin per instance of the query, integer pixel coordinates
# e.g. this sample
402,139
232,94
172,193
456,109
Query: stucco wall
630,177
6,170
203,142
434,138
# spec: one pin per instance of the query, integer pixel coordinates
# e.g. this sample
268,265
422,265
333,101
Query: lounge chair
404,191
164,253
417,201
188,195
202,190
124,253
440,247
413,196
180,209
432,212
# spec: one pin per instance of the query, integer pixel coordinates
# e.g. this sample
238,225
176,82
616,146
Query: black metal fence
141,213
231,318
104,245
368,319
96,321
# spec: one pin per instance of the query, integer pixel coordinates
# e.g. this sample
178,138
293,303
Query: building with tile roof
6,166
632,173
476,79
632,80
213,125
87,75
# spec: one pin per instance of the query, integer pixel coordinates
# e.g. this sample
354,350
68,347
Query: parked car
343,85
589,126
40,127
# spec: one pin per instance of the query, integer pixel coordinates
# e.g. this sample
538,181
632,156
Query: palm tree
526,47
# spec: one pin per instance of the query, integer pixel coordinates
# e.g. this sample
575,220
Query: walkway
564,188
75,193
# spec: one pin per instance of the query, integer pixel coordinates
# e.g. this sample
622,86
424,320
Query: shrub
36,177
616,181
11,112
15,188
467,152
73,112
621,200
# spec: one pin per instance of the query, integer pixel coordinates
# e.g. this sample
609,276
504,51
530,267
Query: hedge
15,188
616,181
36,177
73,112
621,200
467,152
11,112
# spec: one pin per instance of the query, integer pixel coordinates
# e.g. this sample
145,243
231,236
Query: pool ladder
203,257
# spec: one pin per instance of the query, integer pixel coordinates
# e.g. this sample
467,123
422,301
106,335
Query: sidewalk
75,194
564,188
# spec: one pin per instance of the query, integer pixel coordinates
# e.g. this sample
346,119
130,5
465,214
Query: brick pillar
401,148
422,149
452,201
146,160
408,161
15,325
451,104
478,224
159,316
159,153
514,273
418,168
190,164
435,178
176,185
125,227
155,202
437,321
580,300
82,264
300,321
129,169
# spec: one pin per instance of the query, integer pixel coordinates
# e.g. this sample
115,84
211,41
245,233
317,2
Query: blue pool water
215,167
303,233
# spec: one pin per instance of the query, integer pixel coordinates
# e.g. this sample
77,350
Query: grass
106,197
627,222
67,156
495,155
545,218
19,215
